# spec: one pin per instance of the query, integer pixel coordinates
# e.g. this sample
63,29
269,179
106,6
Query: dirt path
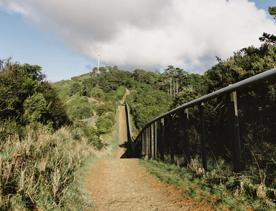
122,184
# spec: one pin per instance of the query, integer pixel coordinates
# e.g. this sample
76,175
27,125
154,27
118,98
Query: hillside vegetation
45,142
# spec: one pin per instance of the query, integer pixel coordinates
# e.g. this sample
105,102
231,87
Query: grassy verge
46,170
77,198
199,190
78,190
111,139
39,172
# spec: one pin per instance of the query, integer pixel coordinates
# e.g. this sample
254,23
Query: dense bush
78,108
63,89
146,104
102,109
75,88
97,93
104,124
34,107
92,136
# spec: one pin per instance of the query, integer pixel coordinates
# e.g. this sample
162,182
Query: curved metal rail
148,142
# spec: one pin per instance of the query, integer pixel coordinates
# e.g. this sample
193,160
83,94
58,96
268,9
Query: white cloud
150,33
15,7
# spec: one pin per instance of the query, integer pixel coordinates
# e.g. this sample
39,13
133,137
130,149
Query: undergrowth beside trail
39,172
231,194
46,170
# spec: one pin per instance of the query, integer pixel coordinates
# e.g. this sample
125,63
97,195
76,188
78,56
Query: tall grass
38,173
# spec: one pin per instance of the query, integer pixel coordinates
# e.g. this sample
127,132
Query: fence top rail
129,128
230,88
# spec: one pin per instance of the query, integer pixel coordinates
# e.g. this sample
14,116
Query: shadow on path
128,152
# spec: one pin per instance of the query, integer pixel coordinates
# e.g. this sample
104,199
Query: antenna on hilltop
99,57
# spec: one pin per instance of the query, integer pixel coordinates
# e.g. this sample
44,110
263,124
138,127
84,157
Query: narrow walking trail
122,184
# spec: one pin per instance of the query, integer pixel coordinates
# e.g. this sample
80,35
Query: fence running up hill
236,124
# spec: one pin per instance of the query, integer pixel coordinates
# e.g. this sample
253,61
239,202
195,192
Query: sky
65,37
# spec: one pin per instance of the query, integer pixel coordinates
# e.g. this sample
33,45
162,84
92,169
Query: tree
56,114
269,38
272,11
17,82
245,63
147,103
146,77
186,95
25,96
173,76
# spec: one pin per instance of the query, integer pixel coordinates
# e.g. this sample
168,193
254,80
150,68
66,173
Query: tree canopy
26,97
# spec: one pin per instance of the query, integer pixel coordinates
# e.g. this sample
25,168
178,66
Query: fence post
203,137
156,140
152,140
147,142
186,134
236,140
142,143
149,131
171,141
165,139
161,139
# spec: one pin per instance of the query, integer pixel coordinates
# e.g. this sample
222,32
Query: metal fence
236,124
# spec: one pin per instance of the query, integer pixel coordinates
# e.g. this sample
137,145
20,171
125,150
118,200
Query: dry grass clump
196,166
37,173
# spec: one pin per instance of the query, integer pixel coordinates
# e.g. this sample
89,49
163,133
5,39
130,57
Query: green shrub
97,93
104,124
119,93
56,114
146,104
63,89
75,88
102,109
92,136
79,108
34,106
